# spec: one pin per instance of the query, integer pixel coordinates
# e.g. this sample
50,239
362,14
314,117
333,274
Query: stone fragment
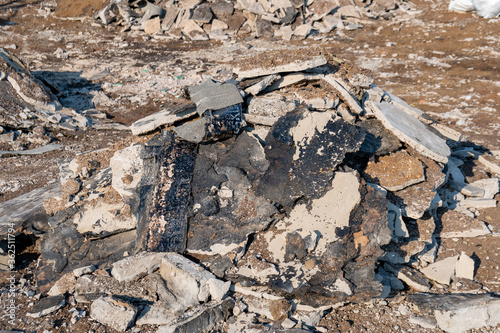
441,271
491,161
396,171
263,84
321,8
166,228
202,14
293,78
331,22
410,276
264,28
349,11
285,68
415,200
211,95
152,26
34,151
84,270
302,31
189,282
90,287
456,224
189,4
194,31
455,313
26,208
165,117
65,284
113,312
219,25
411,131
378,140
47,306
155,314
294,148
490,186
201,318
426,227
105,218
270,105
30,89
317,218
285,32
222,224
170,16
478,203
396,223
152,10
137,266
222,7
465,267
276,309
346,96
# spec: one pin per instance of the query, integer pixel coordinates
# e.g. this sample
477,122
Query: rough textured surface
113,312
167,227
455,224
294,148
396,171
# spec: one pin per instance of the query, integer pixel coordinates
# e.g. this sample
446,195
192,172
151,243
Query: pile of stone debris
221,19
263,203
30,113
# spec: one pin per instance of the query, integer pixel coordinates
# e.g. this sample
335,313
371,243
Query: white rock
297,66
84,270
396,223
114,313
465,267
478,203
155,314
104,217
302,30
491,187
441,271
218,289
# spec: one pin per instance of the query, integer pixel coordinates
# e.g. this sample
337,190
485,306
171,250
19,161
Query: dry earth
442,62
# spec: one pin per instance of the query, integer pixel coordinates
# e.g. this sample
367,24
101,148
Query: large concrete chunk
441,271
135,267
456,224
166,229
303,149
211,95
411,131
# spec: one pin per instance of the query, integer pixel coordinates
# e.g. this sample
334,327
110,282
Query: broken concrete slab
166,228
294,148
165,117
410,276
212,95
455,224
396,171
491,161
152,26
346,96
456,313
263,84
65,284
415,200
189,282
490,186
478,203
201,318
465,267
34,151
441,271
47,305
202,14
194,31
285,68
137,266
411,131
113,312
26,208
302,31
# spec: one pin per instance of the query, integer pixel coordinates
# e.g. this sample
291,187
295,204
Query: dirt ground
442,62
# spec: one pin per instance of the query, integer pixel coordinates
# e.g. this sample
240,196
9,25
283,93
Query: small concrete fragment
396,171
441,271
490,186
263,84
47,305
65,284
346,96
34,151
478,203
211,95
113,312
84,270
465,267
456,224
302,31
410,276
152,26
411,131
194,31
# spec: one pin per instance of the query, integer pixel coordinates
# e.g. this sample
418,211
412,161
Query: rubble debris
47,305
34,151
441,271
411,131
455,224
465,267
113,312
167,116
284,68
456,313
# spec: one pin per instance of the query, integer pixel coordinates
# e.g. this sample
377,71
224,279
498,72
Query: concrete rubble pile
31,117
223,19
265,202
